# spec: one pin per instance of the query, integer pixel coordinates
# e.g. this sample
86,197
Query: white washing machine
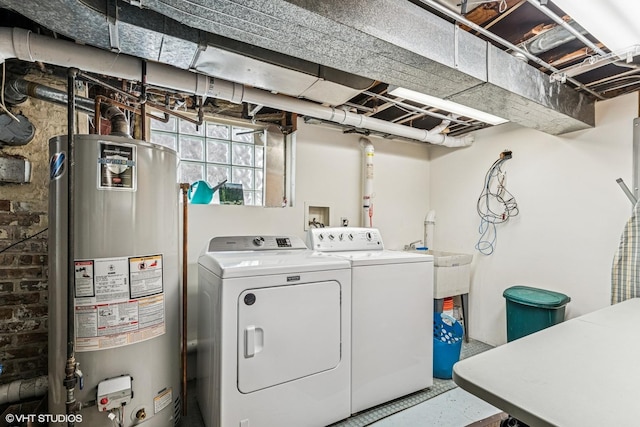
273,334
391,314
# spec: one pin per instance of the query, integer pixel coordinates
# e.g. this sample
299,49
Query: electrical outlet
344,221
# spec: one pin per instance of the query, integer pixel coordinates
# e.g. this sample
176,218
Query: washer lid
358,258
260,263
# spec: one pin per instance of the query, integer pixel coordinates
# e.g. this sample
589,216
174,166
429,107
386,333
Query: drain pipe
18,390
429,228
367,182
27,46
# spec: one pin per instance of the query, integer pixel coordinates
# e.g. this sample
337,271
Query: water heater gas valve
114,393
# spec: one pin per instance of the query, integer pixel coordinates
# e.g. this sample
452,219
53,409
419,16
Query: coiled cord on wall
495,205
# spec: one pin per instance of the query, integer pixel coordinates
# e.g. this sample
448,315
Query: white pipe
27,46
443,125
23,389
429,228
367,182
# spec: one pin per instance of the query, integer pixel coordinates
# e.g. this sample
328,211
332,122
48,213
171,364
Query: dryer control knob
331,237
350,236
369,235
341,236
258,241
320,237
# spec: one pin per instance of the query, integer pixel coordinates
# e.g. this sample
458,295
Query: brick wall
23,293
23,268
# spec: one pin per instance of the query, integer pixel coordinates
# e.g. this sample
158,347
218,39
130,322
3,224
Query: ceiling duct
27,46
398,43
552,38
149,35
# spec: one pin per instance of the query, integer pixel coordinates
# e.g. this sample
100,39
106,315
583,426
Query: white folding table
582,372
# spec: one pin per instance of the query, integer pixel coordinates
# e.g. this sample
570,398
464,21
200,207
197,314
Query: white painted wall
328,172
572,211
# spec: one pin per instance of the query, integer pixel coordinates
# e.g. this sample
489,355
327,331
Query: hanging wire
23,240
501,8
2,95
495,205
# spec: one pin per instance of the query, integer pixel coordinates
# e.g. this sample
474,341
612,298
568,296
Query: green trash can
530,310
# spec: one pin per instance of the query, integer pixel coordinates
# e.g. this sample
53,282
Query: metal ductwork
398,43
26,46
394,42
149,35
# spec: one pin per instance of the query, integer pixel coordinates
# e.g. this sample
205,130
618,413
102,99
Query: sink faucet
412,245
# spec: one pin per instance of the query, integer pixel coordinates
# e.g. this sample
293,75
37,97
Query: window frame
181,130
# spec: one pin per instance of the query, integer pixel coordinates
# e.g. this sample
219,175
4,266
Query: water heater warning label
119,301
117,167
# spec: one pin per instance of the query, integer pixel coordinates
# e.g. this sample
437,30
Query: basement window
216,151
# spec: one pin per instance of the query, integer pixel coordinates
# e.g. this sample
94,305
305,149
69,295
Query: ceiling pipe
453,15
27,46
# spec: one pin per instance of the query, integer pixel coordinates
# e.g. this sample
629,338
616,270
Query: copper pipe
143,101
167,112
97,113
107,85
174,113
185,188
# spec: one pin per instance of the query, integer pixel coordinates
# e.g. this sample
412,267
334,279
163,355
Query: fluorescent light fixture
612,22
443,104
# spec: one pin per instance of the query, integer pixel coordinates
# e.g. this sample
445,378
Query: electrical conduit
27,46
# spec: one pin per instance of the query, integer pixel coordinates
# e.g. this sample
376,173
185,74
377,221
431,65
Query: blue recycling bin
447,344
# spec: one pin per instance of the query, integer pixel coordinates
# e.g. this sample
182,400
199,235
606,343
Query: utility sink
452,272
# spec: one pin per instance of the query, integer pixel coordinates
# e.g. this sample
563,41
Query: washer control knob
258,241
350,236
331,237
320,237
341,236
250,299
369,236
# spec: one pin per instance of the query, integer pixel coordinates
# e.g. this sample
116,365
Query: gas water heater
126,281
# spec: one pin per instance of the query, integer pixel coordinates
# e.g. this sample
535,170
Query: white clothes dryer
391,314
273,334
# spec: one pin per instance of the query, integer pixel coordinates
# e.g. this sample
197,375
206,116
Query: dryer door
286,333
